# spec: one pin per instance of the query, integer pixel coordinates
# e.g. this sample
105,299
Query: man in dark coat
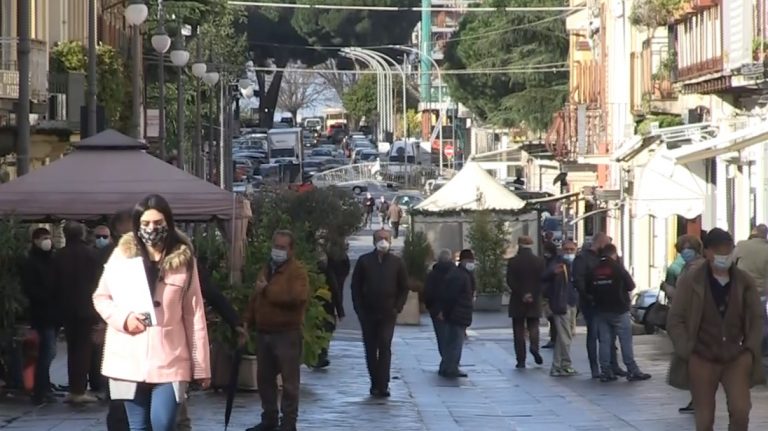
379,292
563,300
583,266
77,267
433,297
37,283
524,274
457,307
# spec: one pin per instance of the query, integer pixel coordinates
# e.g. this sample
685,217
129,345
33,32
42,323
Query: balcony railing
9,70
653,72
577,131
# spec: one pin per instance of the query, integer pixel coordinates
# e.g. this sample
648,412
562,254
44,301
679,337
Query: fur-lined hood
175,260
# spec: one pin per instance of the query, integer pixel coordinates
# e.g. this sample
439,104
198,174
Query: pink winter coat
175,348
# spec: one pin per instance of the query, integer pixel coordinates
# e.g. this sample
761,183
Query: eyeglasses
102,236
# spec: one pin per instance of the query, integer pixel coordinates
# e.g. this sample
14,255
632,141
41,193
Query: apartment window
5,18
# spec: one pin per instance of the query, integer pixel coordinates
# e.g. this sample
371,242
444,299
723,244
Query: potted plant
417,254
759,49
489,239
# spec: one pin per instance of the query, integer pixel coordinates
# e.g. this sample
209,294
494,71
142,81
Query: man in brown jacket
276,310
395,215
716,327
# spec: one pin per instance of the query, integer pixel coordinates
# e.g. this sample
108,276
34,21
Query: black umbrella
232,386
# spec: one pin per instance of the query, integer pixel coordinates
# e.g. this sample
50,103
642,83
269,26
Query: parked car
321,153
642,302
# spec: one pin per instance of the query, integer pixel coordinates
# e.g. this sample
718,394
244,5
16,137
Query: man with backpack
610,287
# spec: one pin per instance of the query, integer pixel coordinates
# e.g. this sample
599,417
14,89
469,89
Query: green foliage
651,14
490,240
113,83
644,128
666,66
414,123
510,40
417,253
360,99
759,44
15,240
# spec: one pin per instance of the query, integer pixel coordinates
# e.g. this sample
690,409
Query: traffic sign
448,150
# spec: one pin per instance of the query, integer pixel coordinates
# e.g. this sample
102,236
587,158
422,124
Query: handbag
656,315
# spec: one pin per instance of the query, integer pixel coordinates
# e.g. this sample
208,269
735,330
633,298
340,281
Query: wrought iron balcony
578,130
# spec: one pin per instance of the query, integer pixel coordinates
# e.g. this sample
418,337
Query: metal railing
409,175
9,67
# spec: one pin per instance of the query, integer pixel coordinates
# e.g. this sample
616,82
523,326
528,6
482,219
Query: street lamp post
401,69
211,78
439,96
180,58
135,14
381,102
198,70
161,42
92,61
22,109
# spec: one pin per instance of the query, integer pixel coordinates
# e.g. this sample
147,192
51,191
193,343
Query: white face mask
569,257
382,246
470,266
279,256
722,261
45,245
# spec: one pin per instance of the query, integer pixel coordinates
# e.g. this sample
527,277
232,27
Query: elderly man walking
524,278
751,256
379,292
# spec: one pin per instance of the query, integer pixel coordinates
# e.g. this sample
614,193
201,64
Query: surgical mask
279,256
382,246
569,257
470,266
154,235
688,254
102,242
45,245
722,261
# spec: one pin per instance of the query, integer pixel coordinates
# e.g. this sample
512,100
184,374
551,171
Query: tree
336,78
510,40
299,90
651,14
360,99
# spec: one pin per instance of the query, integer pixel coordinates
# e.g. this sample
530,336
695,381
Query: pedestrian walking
434,297
563,300
689,249
550,252
524,273
37,283
456,312
611,284
276,310
716,326
384,211
583,266
157,338
379,292
395,214
76,268
333,306
751,256
369,205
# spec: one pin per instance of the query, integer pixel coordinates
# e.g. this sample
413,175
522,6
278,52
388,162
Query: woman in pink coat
157,340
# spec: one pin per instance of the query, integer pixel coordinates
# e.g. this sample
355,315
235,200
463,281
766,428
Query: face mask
279,256
470,266
153,236
45,245
102,242
722,261
569,257
688,254
382,246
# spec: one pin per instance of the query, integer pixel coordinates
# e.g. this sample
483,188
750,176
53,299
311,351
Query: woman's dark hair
157,203
39,233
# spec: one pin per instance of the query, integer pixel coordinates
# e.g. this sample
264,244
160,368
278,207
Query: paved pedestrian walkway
496,396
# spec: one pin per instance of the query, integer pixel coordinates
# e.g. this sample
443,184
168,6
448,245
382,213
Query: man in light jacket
751,256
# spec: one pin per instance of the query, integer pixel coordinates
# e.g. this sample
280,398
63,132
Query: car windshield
282,152
408,201
321,152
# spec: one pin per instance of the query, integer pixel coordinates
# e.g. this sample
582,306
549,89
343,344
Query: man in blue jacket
563,300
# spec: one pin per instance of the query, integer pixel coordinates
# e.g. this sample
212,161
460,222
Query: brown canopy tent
110,172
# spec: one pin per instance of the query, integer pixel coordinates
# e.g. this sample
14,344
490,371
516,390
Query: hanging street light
136,13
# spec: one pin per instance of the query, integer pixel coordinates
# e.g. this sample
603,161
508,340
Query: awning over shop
722,144
666,188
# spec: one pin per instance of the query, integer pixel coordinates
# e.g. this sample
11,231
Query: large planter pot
488,302
411,314
247,380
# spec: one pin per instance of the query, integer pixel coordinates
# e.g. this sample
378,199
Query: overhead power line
407,8
397,73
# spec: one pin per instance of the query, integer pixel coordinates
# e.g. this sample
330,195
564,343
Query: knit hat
716,237
466,254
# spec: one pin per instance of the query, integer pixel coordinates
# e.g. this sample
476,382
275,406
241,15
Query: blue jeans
453,344
593,330
46,352
611,326
153,404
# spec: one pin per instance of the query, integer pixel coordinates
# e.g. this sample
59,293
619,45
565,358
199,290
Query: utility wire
407,8
398,73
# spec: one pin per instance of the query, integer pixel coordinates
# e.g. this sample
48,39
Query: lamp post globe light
161,42
179,55
211,78
199,69
136,12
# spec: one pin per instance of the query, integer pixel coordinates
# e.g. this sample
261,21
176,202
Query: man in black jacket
37,284
379,292
583,265
77,267
456,311
524,275
433,297
611,284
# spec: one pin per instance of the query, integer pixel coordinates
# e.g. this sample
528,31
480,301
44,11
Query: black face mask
152,236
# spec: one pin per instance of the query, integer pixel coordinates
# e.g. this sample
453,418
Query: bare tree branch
299,90
338,81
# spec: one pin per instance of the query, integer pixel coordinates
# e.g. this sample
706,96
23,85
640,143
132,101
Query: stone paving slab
496,396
